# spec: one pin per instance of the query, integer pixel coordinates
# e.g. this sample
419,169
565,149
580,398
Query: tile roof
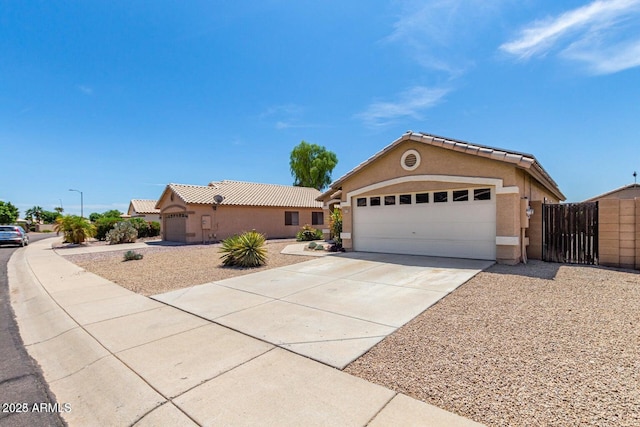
143,206
239,193
521,160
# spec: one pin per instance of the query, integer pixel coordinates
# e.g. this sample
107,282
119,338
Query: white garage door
453,223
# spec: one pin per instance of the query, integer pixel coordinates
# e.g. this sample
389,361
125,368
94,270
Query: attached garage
175,227
429,195
458,223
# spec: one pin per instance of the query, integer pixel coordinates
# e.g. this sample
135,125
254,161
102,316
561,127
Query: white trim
508,240
331,202
326,231
495,182
345,235
404,158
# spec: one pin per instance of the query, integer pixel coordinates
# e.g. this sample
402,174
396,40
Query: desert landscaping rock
529,345
538,344
165,268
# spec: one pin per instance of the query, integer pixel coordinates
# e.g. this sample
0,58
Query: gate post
535,231
609,232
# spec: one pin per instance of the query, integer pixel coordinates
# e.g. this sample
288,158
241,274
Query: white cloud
605,35
85,89
409,104
442,35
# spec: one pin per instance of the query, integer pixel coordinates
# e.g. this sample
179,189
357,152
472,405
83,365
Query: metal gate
570,233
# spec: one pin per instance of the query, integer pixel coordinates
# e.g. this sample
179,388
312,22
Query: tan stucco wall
619,232
440,161
229,220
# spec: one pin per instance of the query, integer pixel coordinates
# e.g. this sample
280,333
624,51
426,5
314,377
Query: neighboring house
630,191
139,208
428,195
197,213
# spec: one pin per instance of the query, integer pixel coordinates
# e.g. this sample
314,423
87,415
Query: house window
482,194
405,199
422,198
317,218
362,201
461,195
440,197
374,201
389,200
291,218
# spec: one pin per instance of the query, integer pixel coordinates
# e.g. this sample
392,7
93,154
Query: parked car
13,234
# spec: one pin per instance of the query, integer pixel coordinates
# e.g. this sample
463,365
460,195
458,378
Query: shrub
244,250
308,233
74,228
312,245
141,226
122,232
335,224
154,229
132,256
104,225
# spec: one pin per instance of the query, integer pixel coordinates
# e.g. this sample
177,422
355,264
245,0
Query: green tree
49,217
59,209
34,214
113,213
94,216
311,165
8,213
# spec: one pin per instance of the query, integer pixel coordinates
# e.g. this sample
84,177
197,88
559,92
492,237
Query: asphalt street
25,398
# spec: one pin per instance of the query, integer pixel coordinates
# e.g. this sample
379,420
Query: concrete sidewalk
118,358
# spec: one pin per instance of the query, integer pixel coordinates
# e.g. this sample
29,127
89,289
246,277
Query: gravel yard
165,268
531,345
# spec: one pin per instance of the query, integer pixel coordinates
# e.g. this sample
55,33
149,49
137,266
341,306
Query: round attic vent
410,160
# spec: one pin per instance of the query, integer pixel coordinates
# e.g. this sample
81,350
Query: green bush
122,232
132,256
335,224
141,226
74,228
154,229
104,225
308,233
244,250
312,245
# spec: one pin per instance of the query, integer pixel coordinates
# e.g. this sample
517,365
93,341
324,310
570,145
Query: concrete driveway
332,309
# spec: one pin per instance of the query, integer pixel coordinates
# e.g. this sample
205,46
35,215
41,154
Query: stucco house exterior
428,195
142,208
203,213
630,191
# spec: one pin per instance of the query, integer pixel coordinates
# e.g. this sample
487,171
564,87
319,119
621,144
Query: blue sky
117,98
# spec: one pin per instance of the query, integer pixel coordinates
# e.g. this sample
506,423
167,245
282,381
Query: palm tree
75,229
35,213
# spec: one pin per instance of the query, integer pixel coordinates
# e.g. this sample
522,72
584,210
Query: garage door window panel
374,201
422,198
482,194
461,195
362,201
389,200
440,197
405,199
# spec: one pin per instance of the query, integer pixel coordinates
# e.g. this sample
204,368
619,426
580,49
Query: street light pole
81,202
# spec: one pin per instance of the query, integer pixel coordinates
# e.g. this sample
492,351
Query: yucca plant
244,250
